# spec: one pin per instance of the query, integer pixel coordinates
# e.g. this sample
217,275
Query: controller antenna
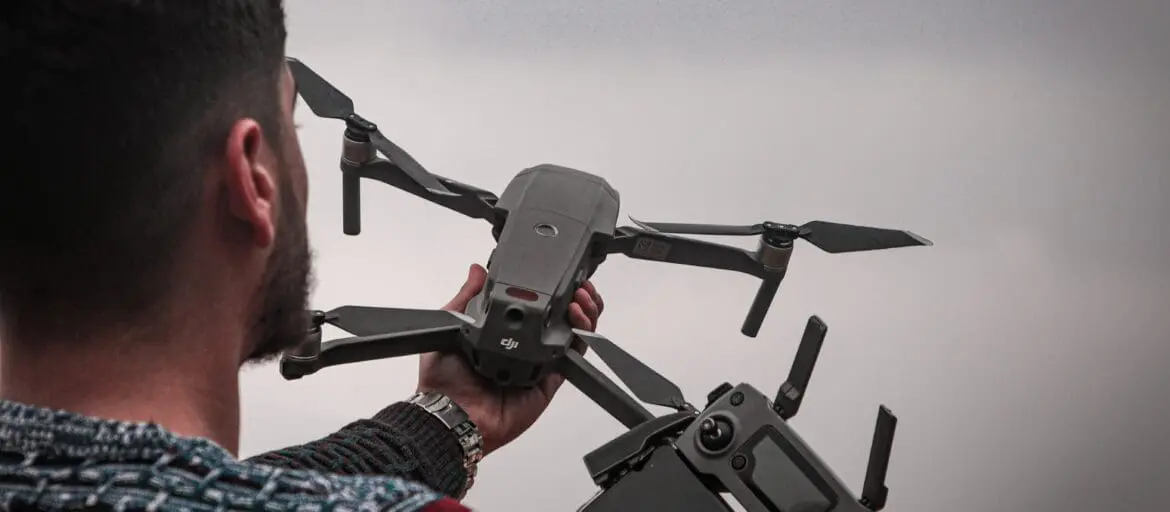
792,392
874,491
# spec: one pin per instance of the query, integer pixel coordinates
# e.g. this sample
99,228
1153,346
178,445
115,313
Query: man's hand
501,415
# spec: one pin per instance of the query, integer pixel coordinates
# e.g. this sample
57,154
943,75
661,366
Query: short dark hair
116,109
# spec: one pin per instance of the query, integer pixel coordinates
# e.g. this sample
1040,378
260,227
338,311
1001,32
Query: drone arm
603,391
441,335
385,346
351,203
759,308
468,200
647,245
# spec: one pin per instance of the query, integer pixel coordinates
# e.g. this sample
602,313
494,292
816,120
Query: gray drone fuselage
555,223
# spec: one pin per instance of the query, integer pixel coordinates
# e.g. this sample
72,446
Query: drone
553,227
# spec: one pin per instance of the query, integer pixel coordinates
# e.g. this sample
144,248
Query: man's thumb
476,277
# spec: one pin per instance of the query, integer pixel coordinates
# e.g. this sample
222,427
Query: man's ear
250,181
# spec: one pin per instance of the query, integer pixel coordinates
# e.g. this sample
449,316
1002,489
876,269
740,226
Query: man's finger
580,346
593,293
578,319
551,384
590,308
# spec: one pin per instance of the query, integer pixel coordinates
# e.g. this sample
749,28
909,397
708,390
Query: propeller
645,383
328,102
831,237
372,321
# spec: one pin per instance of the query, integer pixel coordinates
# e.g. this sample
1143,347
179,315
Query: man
152,213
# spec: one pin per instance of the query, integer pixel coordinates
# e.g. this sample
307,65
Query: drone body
556,220
552,225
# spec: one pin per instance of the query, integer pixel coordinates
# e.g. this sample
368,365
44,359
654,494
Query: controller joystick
715,434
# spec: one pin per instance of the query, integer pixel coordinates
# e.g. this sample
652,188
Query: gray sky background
1024,353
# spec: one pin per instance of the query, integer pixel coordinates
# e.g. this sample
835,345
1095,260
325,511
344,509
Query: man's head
152,169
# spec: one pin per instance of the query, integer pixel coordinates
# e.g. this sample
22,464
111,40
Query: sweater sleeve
446,505
402,440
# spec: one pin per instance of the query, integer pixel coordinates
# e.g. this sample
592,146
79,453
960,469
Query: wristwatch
457,421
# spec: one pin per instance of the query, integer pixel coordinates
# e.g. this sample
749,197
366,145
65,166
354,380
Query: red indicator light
522,294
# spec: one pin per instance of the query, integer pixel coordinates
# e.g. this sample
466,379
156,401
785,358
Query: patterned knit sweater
402,460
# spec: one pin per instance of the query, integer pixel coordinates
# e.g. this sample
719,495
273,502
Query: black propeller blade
328,102
323,99
645,383
831,237
676,228
372,321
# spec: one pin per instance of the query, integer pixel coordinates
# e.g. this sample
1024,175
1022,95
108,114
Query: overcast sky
1024,353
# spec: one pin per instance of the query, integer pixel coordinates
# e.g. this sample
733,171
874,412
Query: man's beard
282,320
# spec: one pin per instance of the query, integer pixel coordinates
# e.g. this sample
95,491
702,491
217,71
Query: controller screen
777,479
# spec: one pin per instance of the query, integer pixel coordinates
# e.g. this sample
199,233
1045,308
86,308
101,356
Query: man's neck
179,382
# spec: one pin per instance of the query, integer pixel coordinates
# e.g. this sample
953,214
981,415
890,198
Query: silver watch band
457,421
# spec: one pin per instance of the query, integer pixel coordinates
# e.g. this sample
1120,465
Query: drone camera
515,317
